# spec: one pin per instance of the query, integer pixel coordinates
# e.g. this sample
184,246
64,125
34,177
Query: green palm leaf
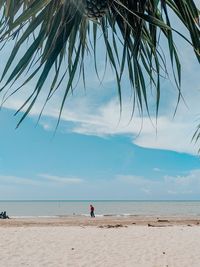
131,32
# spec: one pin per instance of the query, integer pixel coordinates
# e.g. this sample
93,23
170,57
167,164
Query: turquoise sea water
123,208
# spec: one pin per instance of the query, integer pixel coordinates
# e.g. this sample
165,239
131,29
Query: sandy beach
85,242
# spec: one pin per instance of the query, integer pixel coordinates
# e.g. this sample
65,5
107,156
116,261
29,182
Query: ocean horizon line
99,200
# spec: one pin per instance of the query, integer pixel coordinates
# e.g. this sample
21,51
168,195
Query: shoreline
102,221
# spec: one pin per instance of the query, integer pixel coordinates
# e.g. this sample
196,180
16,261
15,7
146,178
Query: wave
34,216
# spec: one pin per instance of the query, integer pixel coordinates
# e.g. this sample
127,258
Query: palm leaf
196,136
131,32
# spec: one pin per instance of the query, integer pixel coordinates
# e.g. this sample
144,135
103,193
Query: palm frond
131,32
196,136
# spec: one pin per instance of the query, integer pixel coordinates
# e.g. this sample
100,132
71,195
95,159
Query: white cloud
146,190
39,188
46,126
184,186
156,169
132,179
187,181
8,179
171,134
11,179
59,179
171,192
120,187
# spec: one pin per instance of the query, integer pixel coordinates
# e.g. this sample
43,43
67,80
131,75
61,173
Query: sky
95,153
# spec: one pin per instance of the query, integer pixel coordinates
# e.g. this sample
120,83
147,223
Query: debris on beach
157,225
112,226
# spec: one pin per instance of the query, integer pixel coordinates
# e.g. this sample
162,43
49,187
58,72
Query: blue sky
94,155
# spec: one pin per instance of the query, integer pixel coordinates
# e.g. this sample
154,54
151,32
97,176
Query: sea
59,208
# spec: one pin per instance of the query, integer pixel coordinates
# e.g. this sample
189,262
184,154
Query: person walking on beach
92,211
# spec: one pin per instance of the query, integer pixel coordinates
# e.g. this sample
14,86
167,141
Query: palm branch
196,136
62,30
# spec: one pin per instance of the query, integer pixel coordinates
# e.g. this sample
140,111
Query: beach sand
105,242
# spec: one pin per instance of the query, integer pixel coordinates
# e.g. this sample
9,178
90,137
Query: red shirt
92,208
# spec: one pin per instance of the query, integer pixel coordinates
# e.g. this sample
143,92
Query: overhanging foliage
62,29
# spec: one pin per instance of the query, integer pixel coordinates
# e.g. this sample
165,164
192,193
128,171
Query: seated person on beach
3,215
92,211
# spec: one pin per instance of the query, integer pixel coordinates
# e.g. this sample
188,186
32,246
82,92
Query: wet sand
102,221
